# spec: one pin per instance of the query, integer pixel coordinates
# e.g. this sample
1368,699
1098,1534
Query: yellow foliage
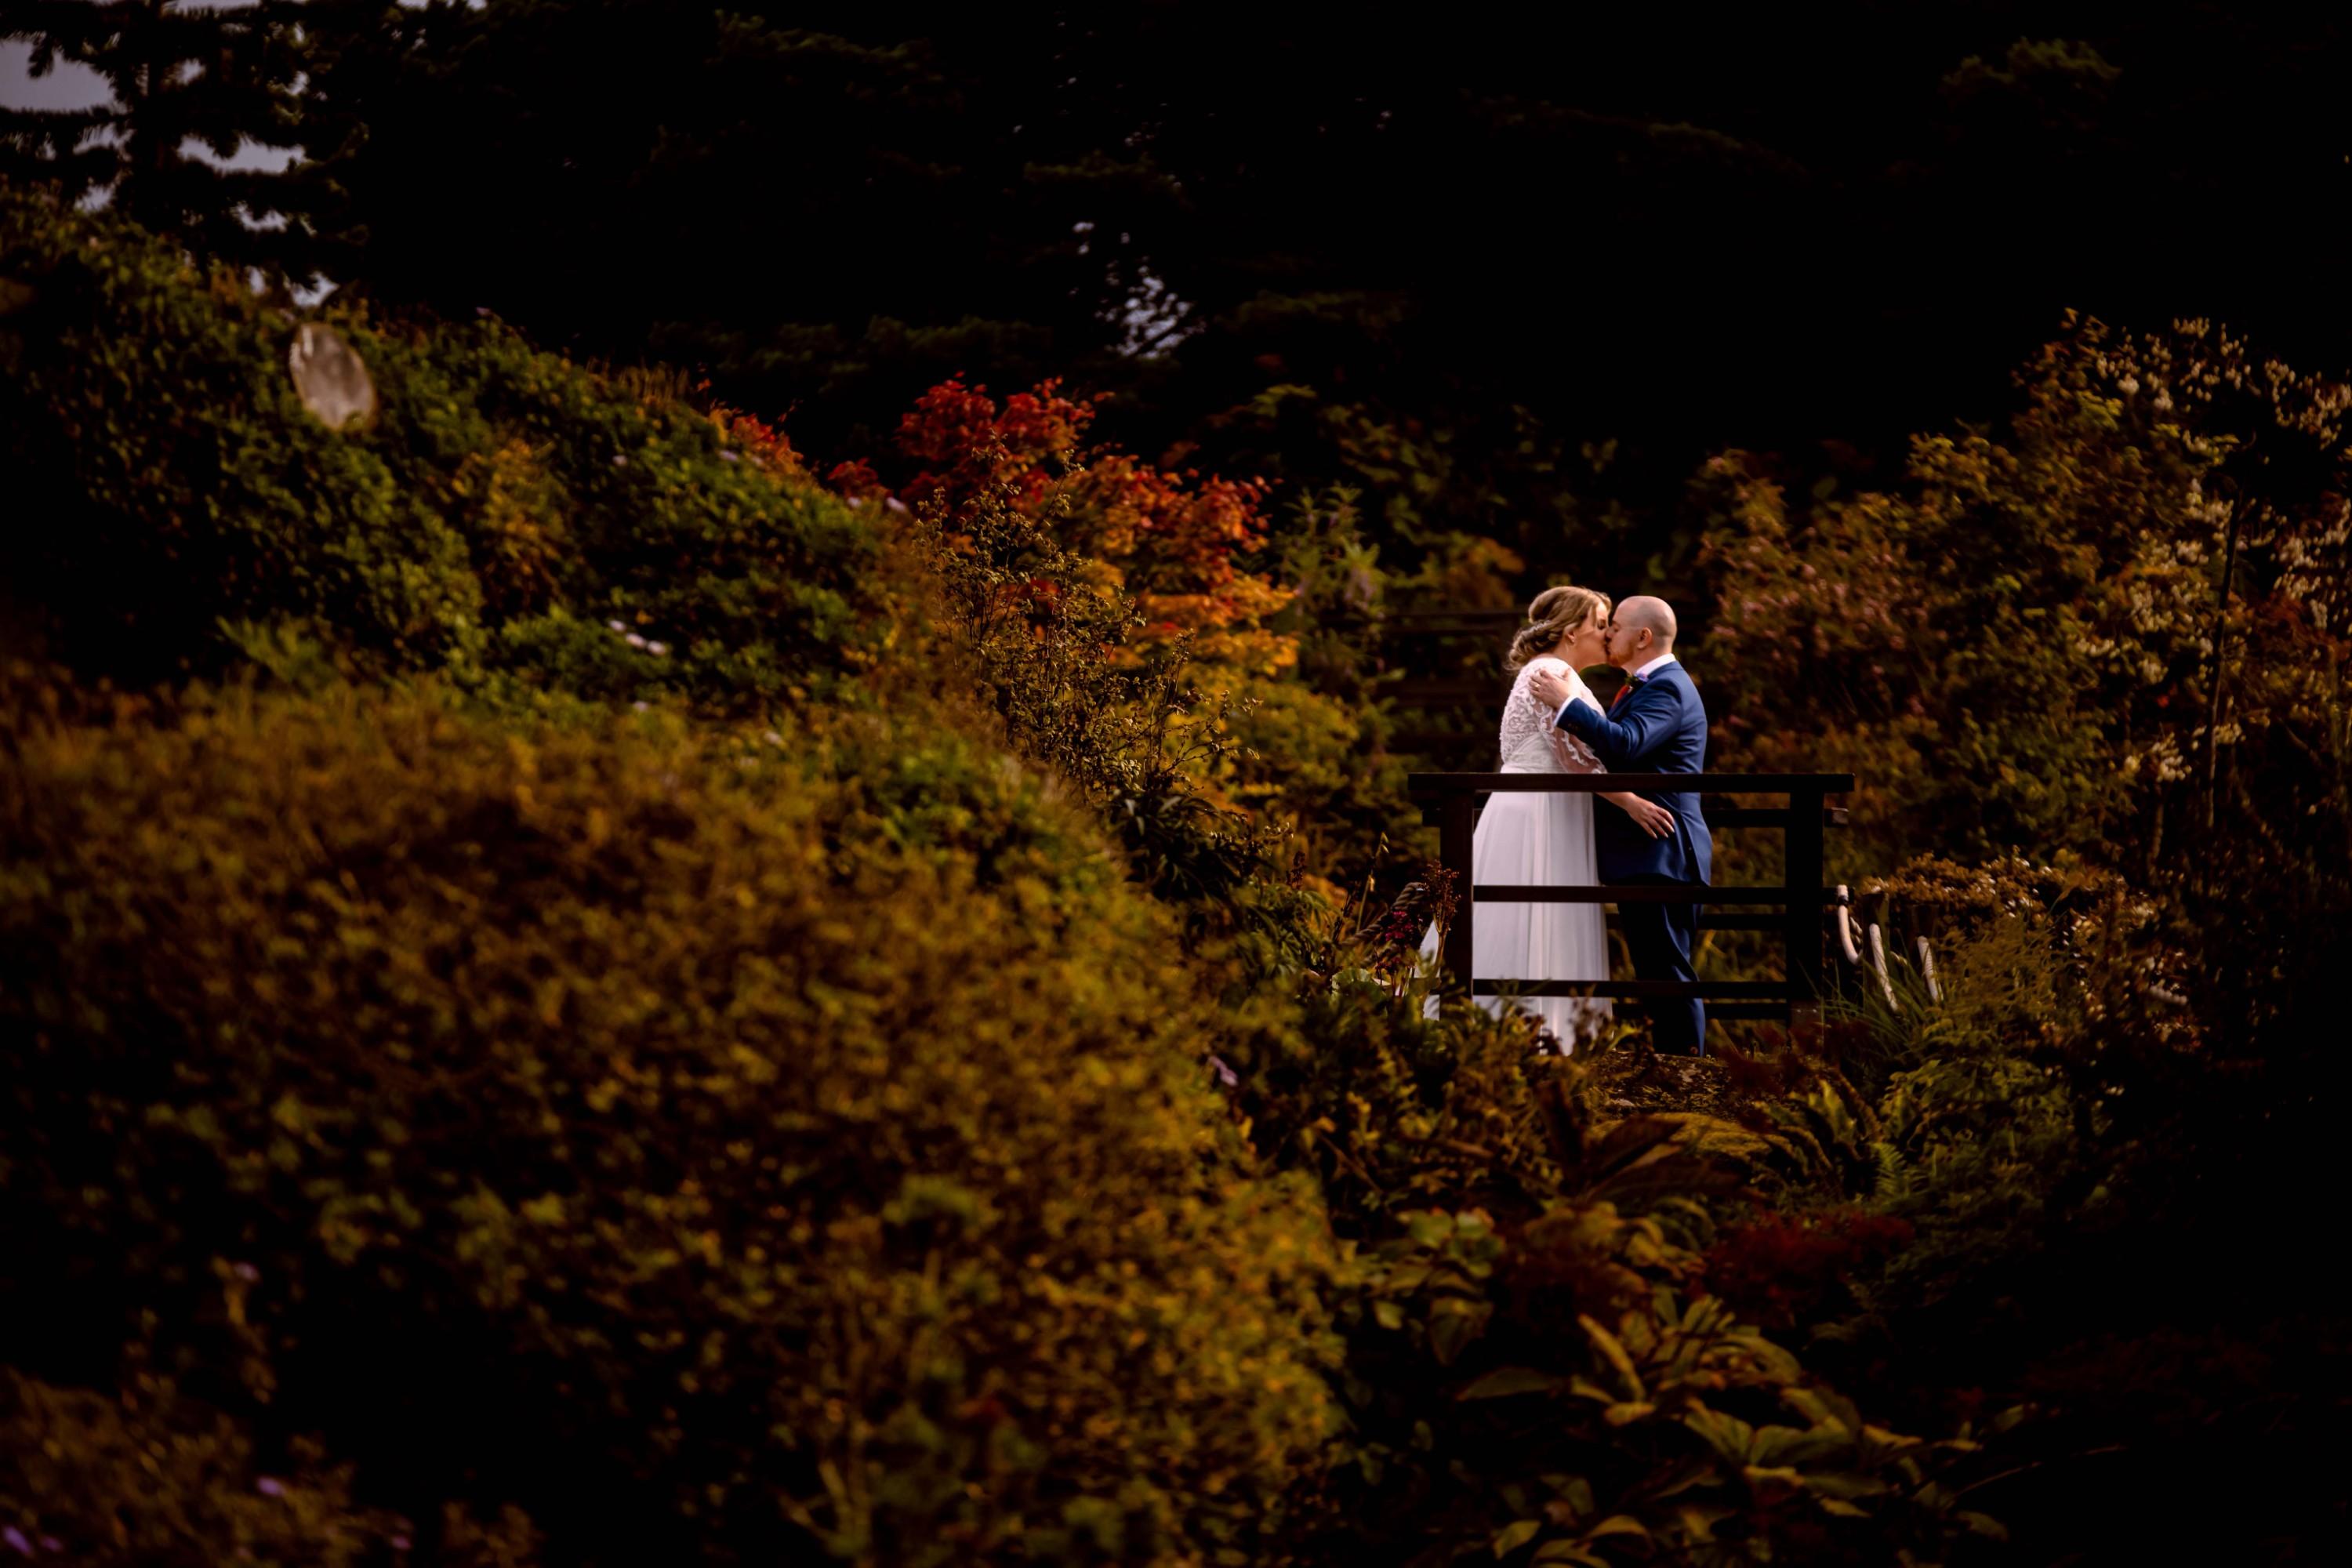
809,1144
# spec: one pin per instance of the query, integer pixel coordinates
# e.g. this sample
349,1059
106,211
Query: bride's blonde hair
1555,613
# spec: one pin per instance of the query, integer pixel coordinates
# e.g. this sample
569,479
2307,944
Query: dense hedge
726,1149
144,1477
505,511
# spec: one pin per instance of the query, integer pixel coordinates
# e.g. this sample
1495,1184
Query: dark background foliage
1506,234
1518,269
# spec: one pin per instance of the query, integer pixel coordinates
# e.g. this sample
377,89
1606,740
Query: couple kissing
1553,724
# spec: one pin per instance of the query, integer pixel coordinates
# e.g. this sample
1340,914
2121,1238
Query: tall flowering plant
1179,543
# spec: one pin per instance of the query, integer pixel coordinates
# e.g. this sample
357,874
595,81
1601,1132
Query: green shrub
505,514
2112,624
1534,1369
151,1480
720,1149
1562,1387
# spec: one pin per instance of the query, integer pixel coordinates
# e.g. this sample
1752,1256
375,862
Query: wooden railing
1452,801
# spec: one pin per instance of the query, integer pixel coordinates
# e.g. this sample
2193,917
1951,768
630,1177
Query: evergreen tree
189,87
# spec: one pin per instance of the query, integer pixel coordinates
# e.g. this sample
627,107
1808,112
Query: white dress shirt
1644,673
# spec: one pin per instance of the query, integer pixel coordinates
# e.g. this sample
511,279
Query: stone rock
330,376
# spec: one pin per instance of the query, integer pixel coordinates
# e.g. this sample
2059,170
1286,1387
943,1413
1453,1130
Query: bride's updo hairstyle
1555,613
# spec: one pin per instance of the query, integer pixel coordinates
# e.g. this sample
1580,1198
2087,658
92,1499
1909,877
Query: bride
1545,837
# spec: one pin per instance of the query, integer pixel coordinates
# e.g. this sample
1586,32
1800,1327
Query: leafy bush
1557,1377
1136,622
153,1481
506,515
2114,627
1784,1269
1535,1368
717,1149
1567,1388
2088,664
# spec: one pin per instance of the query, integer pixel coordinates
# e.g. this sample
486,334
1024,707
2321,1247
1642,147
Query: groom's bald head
1642,629
1642,613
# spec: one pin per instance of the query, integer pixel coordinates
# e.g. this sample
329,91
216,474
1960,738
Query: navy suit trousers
1660,938
1659,727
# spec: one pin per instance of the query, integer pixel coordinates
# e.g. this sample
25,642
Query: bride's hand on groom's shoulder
1549,688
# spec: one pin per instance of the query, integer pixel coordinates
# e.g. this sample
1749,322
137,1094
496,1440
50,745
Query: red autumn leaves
1179,542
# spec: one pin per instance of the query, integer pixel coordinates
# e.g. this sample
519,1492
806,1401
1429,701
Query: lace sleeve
1524,718
1575,756
1528,725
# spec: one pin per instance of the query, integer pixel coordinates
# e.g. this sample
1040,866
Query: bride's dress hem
1540,838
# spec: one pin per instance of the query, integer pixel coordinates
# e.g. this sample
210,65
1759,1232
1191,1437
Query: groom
1656,725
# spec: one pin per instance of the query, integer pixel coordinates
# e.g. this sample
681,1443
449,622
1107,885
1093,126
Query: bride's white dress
1540,838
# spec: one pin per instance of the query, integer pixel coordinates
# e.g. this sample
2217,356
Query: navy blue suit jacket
1659,727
